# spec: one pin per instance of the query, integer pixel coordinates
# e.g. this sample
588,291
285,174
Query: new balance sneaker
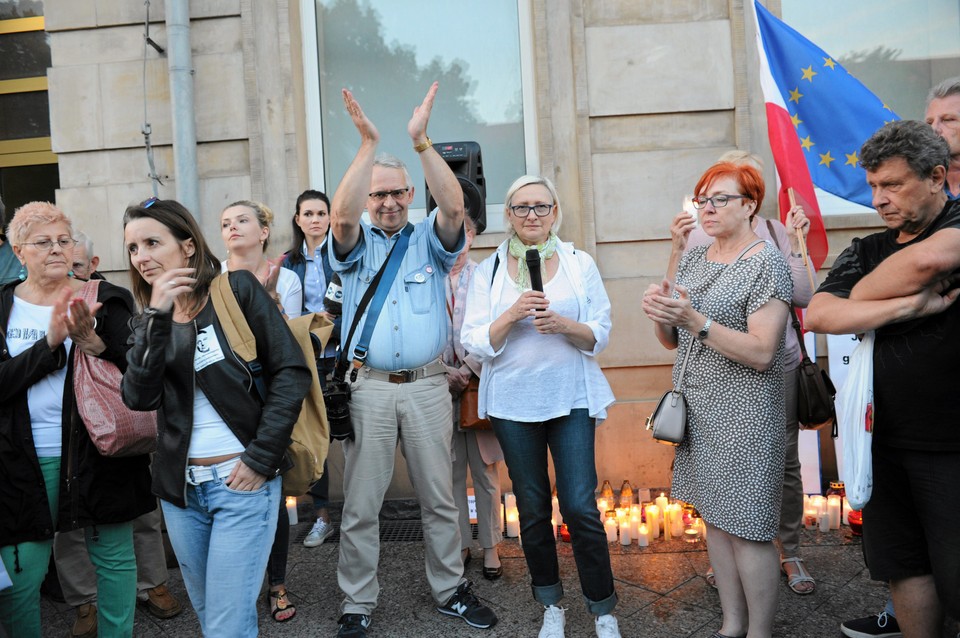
554,619
881,625
353,626
464,604
607,627
318,533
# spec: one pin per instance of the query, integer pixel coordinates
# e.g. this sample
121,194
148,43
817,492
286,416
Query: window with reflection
388,53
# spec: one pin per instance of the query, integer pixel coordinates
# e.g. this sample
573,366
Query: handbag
669,419
469,407
815,390
115,429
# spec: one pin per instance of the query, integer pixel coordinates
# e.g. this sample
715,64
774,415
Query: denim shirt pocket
418,286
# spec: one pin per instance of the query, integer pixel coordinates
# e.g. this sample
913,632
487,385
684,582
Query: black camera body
336,396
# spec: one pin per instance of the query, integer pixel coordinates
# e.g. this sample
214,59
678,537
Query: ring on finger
172,283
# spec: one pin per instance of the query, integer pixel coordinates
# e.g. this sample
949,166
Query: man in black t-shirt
900,283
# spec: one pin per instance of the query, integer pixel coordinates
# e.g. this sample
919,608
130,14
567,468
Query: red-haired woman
728,308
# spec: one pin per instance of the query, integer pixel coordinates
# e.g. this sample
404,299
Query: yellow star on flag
806,143
888,108
808,73
795,95
826,158
852,159
795,118
830,63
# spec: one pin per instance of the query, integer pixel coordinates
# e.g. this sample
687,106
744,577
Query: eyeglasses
718,201
46,245
522,210
396,194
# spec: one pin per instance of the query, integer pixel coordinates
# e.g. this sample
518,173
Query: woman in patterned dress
729,306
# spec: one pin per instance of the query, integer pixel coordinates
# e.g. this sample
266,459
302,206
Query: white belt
197,474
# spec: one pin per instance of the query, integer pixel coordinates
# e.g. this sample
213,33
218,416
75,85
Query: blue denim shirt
412,328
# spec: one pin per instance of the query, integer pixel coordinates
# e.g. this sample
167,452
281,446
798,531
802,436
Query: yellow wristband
422,146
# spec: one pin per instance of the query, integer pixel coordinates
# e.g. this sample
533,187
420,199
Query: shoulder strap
377,295
236,328
794,320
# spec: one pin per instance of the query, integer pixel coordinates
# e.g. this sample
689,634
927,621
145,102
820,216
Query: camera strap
374,297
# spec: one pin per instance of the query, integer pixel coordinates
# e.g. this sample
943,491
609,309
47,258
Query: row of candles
829,512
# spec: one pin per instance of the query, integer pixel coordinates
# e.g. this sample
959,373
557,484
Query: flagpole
803,243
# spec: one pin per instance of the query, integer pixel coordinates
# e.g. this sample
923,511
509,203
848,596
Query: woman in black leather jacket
220,450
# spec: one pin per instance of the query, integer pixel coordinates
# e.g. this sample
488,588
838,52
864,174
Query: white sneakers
319,533
607,627
553,622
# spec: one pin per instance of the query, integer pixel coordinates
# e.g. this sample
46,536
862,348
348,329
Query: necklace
722,255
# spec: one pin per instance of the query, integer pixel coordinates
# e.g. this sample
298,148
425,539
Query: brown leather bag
469,408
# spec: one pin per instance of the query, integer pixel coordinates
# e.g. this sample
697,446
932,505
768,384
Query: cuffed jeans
418,415
222,540
570,440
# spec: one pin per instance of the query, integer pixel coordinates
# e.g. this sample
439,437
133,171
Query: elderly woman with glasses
725,315
542,389
52,478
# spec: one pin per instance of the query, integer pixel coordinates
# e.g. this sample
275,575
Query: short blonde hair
34,214
527,180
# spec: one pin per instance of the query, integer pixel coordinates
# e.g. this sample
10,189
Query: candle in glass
610,525
625,532
292,509
810,516
833,510
634,525
662,502
845,515
643,535
513,523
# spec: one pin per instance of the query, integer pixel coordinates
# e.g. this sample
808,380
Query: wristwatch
705,330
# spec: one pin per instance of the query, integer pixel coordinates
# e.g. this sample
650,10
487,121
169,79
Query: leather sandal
279,603
802,576
717,634
711,579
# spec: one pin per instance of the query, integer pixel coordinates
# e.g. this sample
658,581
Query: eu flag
832,112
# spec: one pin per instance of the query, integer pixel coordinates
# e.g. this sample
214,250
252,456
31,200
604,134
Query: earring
23,272
70,273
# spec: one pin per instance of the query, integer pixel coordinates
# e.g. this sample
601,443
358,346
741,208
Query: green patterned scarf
518,249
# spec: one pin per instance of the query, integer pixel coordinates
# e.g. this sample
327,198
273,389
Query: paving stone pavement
661,589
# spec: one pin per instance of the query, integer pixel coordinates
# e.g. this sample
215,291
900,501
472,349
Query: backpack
310,438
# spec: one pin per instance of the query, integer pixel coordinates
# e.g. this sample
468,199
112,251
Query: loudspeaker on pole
465,161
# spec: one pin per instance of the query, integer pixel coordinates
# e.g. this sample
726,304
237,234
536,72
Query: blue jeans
571,442
222,540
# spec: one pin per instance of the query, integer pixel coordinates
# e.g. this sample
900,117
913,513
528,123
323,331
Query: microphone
533,265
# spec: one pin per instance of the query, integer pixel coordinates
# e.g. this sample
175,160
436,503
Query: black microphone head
533,256
533,265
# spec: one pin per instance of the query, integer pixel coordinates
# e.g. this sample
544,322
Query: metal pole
181,102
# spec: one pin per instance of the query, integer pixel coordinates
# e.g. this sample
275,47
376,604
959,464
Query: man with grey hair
900,283
399,388
943,114
85,263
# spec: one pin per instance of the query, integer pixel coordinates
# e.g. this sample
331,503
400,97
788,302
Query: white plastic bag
855,417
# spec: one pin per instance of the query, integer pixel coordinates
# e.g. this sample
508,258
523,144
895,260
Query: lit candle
810,516
603,505
844,517
634,525
833,510
509,501
667,527
610,525
622,514
513,523
292,509
625,533
662,502
643,535
653,520
824,521
677,521
691,534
